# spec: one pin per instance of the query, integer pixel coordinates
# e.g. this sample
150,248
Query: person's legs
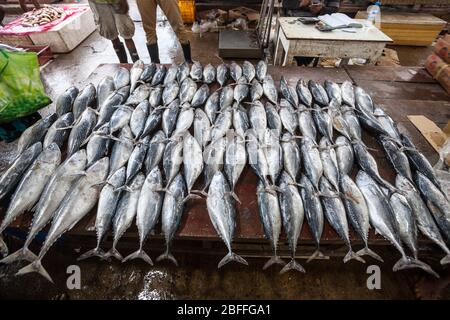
147,9
119,48
173,14
125,26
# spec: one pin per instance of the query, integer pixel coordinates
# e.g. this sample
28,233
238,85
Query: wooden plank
403,90
432,133
388,73
310,32
406,18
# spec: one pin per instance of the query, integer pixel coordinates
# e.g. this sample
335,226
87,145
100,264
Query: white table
298,39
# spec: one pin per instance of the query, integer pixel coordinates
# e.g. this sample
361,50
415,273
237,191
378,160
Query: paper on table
336,20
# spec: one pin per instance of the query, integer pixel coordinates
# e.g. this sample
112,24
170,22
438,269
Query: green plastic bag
21,88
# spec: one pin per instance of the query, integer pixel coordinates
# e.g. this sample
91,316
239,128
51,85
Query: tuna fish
35,133
110,105
396,157
155,97
97,145
329,163
344,155
136,160
241,90
348,94
171,214
248,70
121,150
235,161
171,75
138,118
334,91
200,96
303,93
153,121
170,92
172,159
363,100
240,121
256,90
202,128
209,74
288,116
291,155
222,214
235,71
185,120
288,92
64,102
169,117
78,202
311,161
187,90
81,129
257,158
148,72
273,118
212,106
121,78
135,74
84,99
159,75
270,91
323,121
306,124
137,96
387,123
120,118
214,159
183,72
222,74
155,151
261,70
354,128
226,97
274,154
222,124
54,134
258,119
318,93
196,71
192,160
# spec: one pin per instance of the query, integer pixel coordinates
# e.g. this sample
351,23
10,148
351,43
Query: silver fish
274,154
288,92
54,192
258,119
292,213
121,150
226,97
357,213
155,97
107,203
121,78
303,93
169,117
78,202
270,91
125,213
64,102
248,70
340,124
155,151
306,124
222,74
240,120
241,90
137,158
422,215
213,156
318,93
371,123
273,118
137,96
110,105
185,120
170,92
212,106
288,116
222,214
192,160
120,118
171,214
270,215
135,74
335,213
196,71
209,74
35,133
172,159
235,161
334,91
348,94
97,145
202,128
12,175
235,71
311,161
159,75
222,124
344,155
353,126
396,157
171,75
387,123
148,211
363,100
81,129
148,72
329,162
187,90
85,99
54,134
291,155
256,90
313,212
183,72
153,121
323,121
200,96
138,118
257,158
31,186
261,70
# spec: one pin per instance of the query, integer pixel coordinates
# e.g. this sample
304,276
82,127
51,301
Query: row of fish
130,151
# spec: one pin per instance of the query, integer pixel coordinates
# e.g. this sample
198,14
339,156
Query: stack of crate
437,63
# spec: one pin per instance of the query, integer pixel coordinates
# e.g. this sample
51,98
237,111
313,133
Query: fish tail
368,252
444,260
35,266
231,256
352,255
19,255
3,247
316,255
292,265
96,252
273,260
167,256
235,197
139,254
113,253
411,263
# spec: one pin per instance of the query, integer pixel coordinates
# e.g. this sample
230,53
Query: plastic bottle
374,15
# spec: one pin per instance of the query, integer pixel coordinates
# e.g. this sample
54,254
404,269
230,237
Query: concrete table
297,39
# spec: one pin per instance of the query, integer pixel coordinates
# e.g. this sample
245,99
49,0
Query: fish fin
292,265
3,247
64,128
113,253
444,260
139,254
19,255
231,256
191,196
235,197
411,263
273,260
167,256
316,255
36,266
202,192
368,252
352,255
96,252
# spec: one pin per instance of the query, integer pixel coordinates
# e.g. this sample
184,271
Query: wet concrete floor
197,276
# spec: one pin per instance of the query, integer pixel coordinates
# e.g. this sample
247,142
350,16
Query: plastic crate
187,8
